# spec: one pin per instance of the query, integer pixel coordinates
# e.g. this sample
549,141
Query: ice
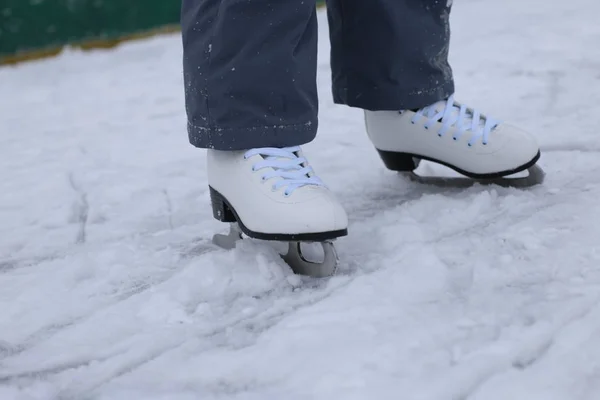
110,288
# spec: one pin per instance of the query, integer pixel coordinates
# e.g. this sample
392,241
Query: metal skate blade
535,176
300,262
228,241
299,256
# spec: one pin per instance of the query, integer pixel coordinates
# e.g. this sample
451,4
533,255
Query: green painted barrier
31,29
43,25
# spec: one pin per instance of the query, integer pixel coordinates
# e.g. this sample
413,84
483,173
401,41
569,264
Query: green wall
27,25
38,26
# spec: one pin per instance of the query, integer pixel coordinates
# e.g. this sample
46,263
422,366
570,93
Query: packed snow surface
111,290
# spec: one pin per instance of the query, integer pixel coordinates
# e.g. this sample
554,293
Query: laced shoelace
284,164
453,114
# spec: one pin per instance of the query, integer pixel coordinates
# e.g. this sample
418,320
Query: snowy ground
109,289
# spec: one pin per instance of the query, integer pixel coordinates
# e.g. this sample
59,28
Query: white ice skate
273,194
448,133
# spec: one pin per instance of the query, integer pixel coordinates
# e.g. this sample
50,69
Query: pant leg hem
251,137
391,98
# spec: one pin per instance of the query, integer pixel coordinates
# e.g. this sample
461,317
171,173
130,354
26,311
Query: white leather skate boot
273,194
453,135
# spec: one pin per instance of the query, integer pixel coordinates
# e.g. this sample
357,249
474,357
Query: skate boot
448,133
273,194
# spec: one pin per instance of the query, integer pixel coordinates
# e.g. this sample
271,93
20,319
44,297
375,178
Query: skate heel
221,210
398,161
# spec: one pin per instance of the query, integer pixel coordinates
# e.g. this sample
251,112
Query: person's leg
250,72
390,54
251,100
390,58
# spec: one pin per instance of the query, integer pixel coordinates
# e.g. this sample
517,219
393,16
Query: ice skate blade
301,266
294,257
536,176
228,241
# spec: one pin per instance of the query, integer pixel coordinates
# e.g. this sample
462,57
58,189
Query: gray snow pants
250,65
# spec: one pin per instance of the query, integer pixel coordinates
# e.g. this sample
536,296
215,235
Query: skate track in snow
109,288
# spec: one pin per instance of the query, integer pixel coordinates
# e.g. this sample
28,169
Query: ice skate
273,194
481,148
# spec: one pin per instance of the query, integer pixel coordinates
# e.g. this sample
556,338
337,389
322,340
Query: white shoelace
286,165
451,113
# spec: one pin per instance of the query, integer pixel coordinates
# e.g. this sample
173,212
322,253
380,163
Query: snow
110,289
